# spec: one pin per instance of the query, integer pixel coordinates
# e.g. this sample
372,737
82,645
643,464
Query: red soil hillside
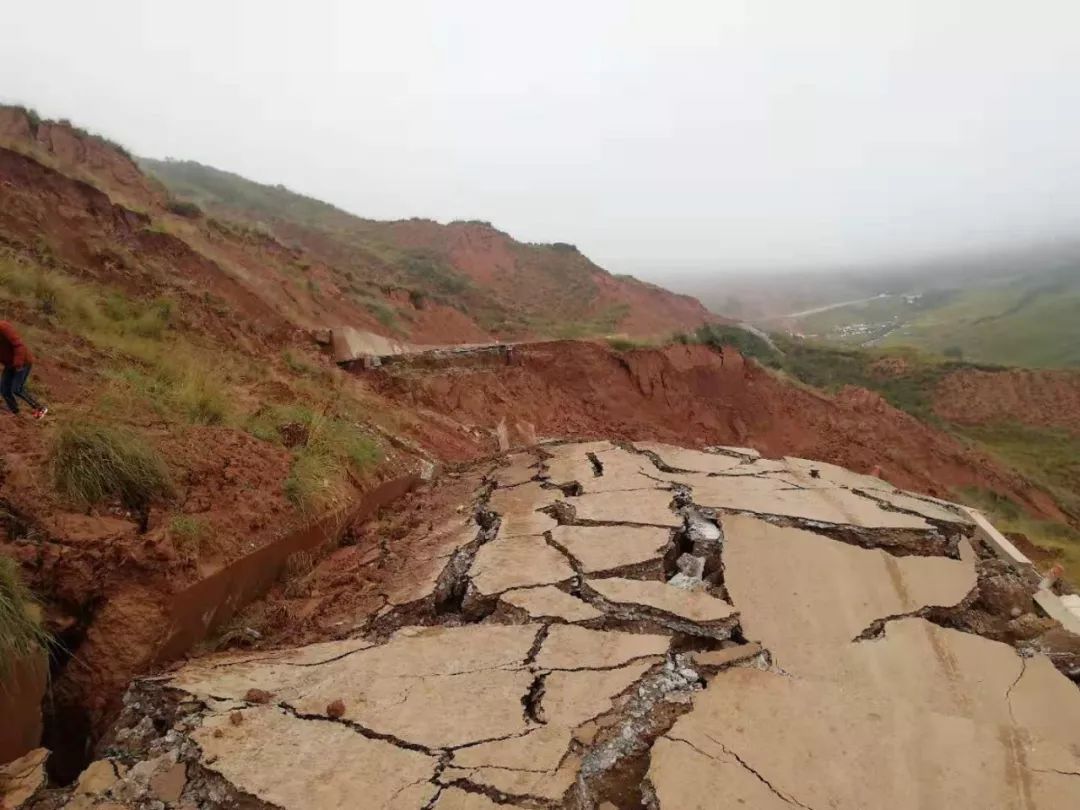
691,395
1036,398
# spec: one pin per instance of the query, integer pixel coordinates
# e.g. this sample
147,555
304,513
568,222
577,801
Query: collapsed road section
638,626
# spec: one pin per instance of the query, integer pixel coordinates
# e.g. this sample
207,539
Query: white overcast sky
654,135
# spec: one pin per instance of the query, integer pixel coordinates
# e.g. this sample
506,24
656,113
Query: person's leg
6,379
18,388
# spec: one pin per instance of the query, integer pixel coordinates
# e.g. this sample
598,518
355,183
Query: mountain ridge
318,265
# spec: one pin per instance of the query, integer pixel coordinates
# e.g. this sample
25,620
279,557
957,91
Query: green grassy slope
1033,322
1030,320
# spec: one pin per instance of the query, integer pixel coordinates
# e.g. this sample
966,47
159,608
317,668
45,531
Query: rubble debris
21,778
779,633
549,602
257,696
335,709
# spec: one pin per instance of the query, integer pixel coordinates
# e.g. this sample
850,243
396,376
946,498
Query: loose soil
1036,398
690,395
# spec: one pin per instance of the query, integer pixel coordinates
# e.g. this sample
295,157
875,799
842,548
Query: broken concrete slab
529,785
492,712
1050,604
456,799
22,777
541,748
571,647
697,606
424,569
802,619
280,673
941,512
534,764
679,458
610,470
549,602
518,508
767,496
737,738
809,472
986,533
296,763
643,508
727,656
605,548
402,688
513,562
521,467
98,777
571,698
747,452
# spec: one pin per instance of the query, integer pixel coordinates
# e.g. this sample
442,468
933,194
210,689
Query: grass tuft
189,533
318,478
92,462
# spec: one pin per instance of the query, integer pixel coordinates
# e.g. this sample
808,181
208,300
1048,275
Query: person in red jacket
16,360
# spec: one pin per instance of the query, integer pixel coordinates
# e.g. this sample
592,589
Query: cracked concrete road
637,626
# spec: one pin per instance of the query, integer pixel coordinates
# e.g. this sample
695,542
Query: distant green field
1008,326
1031,321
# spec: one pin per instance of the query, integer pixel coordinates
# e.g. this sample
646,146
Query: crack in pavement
778,793
1008,692
362,730
935,614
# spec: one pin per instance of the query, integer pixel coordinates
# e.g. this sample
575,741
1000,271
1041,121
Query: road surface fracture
603,626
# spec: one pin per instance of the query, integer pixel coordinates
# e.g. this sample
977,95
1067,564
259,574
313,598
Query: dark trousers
13,384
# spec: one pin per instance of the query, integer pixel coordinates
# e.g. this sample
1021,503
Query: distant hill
300,261
508,287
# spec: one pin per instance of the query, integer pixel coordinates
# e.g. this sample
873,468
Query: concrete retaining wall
199,610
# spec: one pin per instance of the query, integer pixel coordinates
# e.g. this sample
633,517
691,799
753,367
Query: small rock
335,709
236,718
169,784
691,566
98,777
219,733
699,529
685,583
257,696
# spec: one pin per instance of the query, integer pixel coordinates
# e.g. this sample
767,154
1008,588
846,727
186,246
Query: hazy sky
652,134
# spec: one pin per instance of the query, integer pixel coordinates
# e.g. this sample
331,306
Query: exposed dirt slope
1036,398
694,395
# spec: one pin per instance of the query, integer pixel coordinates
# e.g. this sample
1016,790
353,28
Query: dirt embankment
689,395
1036,398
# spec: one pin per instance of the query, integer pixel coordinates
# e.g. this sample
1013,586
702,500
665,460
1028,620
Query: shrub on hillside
92,463
184,208
747,343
